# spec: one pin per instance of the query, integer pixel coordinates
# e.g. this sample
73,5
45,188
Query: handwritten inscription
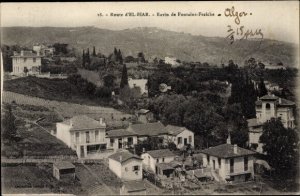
240,32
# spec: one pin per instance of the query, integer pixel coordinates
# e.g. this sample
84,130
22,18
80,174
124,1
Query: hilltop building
26,63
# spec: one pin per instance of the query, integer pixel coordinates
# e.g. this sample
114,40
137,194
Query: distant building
139,83
126,166
172,61
43,50
83,134
275,67
229,162
26,63
267,107
154,157
133,188
145,116
63,170
181,136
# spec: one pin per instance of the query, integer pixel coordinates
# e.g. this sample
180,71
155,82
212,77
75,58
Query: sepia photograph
150,98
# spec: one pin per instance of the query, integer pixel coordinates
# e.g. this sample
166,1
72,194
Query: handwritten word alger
230,12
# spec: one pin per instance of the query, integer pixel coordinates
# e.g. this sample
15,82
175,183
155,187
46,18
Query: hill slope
154,42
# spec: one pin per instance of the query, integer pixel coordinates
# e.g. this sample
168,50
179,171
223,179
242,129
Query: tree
280,145
262,90
109,80
141,57
124,78
94,51
9,129
83,59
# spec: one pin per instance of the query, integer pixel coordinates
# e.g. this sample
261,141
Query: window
219,161
34,60
163,159
231,165
190,139
157,160
245,163
208,159
25,59
268,106
96,135
136,168
179,140
77,137
112,141
87,137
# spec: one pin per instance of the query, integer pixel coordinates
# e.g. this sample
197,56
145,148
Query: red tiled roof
134,185
119,133
124,156
253,122
175,130
83,122
226,151
63,165
279,101
161,153
148,129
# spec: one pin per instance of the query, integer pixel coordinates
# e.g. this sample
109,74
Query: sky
277,19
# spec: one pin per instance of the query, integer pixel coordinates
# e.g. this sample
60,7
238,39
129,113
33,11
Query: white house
154,157
181,136
172,61
229,162
120,139
26,62
126,166
267,107
139,83
83,134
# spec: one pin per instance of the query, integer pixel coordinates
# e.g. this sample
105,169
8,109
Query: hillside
154,42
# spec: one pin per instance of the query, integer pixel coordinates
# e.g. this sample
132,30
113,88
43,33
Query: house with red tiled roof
181,136
229,162
267,107
83,134
126,166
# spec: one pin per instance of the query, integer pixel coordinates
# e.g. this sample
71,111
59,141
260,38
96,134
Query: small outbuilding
133,188
63,170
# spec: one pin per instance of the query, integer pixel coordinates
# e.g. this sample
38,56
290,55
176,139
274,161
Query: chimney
280,101
22,53
101,121
71,122
121,158
144,150
228,139
235,149
15,53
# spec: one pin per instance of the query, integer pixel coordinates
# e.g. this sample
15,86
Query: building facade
229,162
181,136
120,139
267,107
26,63
126,166
83,134
154,157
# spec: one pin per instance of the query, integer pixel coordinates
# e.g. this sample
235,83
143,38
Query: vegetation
281,146
124,78
8,127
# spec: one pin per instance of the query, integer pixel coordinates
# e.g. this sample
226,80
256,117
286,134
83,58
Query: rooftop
143,111
161,153
279,101
253,122
148,129
133,186
83,122
63,165
25,53
227,151
121,157
119,133
175,130
165,166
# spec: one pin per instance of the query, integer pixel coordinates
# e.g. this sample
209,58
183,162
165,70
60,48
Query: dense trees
124,78
281,146
262,90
